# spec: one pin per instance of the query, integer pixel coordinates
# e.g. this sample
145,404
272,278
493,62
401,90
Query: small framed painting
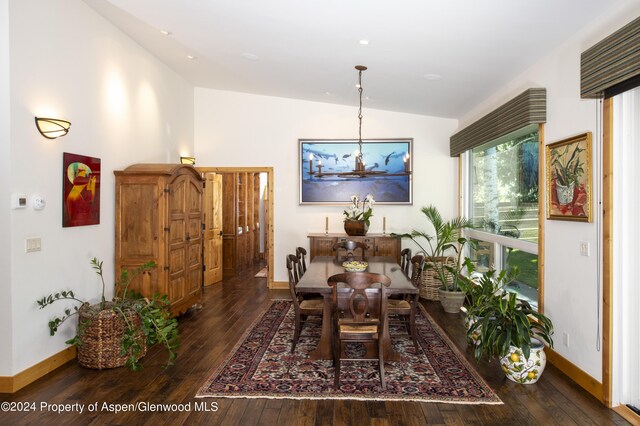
81,190
568,164
330,172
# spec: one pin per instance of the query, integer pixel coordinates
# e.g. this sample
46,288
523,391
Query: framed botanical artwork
81,190
568,165
330,172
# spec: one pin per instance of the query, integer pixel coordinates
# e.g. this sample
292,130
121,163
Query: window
501,198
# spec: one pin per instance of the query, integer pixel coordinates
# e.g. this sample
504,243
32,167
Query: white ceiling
307,49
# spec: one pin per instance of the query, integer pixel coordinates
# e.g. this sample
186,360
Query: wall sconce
188,160
52,128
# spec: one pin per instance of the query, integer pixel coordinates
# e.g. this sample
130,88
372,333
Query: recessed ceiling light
328,93
191,57
250,56
364,42
432,77
165,32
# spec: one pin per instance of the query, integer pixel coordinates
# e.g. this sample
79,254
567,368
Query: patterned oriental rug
262,366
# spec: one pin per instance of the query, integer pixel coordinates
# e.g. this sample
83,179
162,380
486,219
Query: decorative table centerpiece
356,217
355,266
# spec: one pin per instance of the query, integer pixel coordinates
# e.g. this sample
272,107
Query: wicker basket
101,339
430,283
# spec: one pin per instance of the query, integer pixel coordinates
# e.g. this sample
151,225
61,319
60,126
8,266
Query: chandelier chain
360,114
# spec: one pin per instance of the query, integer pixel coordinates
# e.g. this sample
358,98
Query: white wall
5,178
237,129
125,107
570,281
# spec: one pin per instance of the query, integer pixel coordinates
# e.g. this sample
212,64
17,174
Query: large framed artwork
568,165
81,190
329,173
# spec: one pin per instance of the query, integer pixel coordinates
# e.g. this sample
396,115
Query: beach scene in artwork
329,171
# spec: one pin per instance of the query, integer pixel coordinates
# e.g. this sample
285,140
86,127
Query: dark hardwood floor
207,336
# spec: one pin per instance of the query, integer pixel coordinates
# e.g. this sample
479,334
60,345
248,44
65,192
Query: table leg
390,354
323,350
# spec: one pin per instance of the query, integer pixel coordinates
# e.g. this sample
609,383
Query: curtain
626,287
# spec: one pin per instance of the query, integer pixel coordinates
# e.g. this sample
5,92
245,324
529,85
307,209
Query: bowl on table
355,266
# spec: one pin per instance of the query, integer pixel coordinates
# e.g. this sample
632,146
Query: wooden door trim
607,250
541,217
270,186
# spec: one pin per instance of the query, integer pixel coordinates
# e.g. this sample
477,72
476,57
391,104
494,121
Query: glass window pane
481,254
504,187
526,283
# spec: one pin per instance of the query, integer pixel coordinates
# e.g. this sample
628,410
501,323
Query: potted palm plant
514,332
442,279
117,332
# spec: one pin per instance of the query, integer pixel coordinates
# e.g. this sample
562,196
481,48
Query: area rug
261,273
262,366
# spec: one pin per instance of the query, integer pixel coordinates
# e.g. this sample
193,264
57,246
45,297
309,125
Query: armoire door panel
177,231
195,255
195,280
177,288
138,233
177,260
177,199
195,199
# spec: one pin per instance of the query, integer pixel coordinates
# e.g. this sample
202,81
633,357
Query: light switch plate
33,244
584,248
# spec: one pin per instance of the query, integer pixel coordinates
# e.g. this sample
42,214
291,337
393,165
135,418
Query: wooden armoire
240,221
159,218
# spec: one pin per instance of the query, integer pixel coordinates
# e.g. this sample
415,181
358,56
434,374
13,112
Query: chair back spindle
301,252
405,260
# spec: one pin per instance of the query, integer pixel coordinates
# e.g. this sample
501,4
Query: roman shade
529,107
611,61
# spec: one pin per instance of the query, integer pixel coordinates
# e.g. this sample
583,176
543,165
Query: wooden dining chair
350,248
364,318
301,252
303,307
405,260
404,310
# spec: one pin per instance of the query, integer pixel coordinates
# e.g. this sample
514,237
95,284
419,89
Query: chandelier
359,159
359,171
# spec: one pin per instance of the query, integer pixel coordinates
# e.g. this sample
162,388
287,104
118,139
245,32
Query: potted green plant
567,169
117,332
480,290
357,216
443,258
514,332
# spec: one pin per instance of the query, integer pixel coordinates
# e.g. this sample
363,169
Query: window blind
529,107
611,61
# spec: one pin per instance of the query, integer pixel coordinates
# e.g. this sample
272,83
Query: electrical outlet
584,248
565,338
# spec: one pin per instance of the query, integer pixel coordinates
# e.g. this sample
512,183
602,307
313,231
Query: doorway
246,230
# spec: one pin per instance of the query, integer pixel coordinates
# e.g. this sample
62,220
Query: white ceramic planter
451,301
521,370
564,193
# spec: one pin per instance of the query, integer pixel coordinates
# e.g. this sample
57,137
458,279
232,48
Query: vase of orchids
356,217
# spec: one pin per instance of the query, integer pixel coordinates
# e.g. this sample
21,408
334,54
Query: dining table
314,281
